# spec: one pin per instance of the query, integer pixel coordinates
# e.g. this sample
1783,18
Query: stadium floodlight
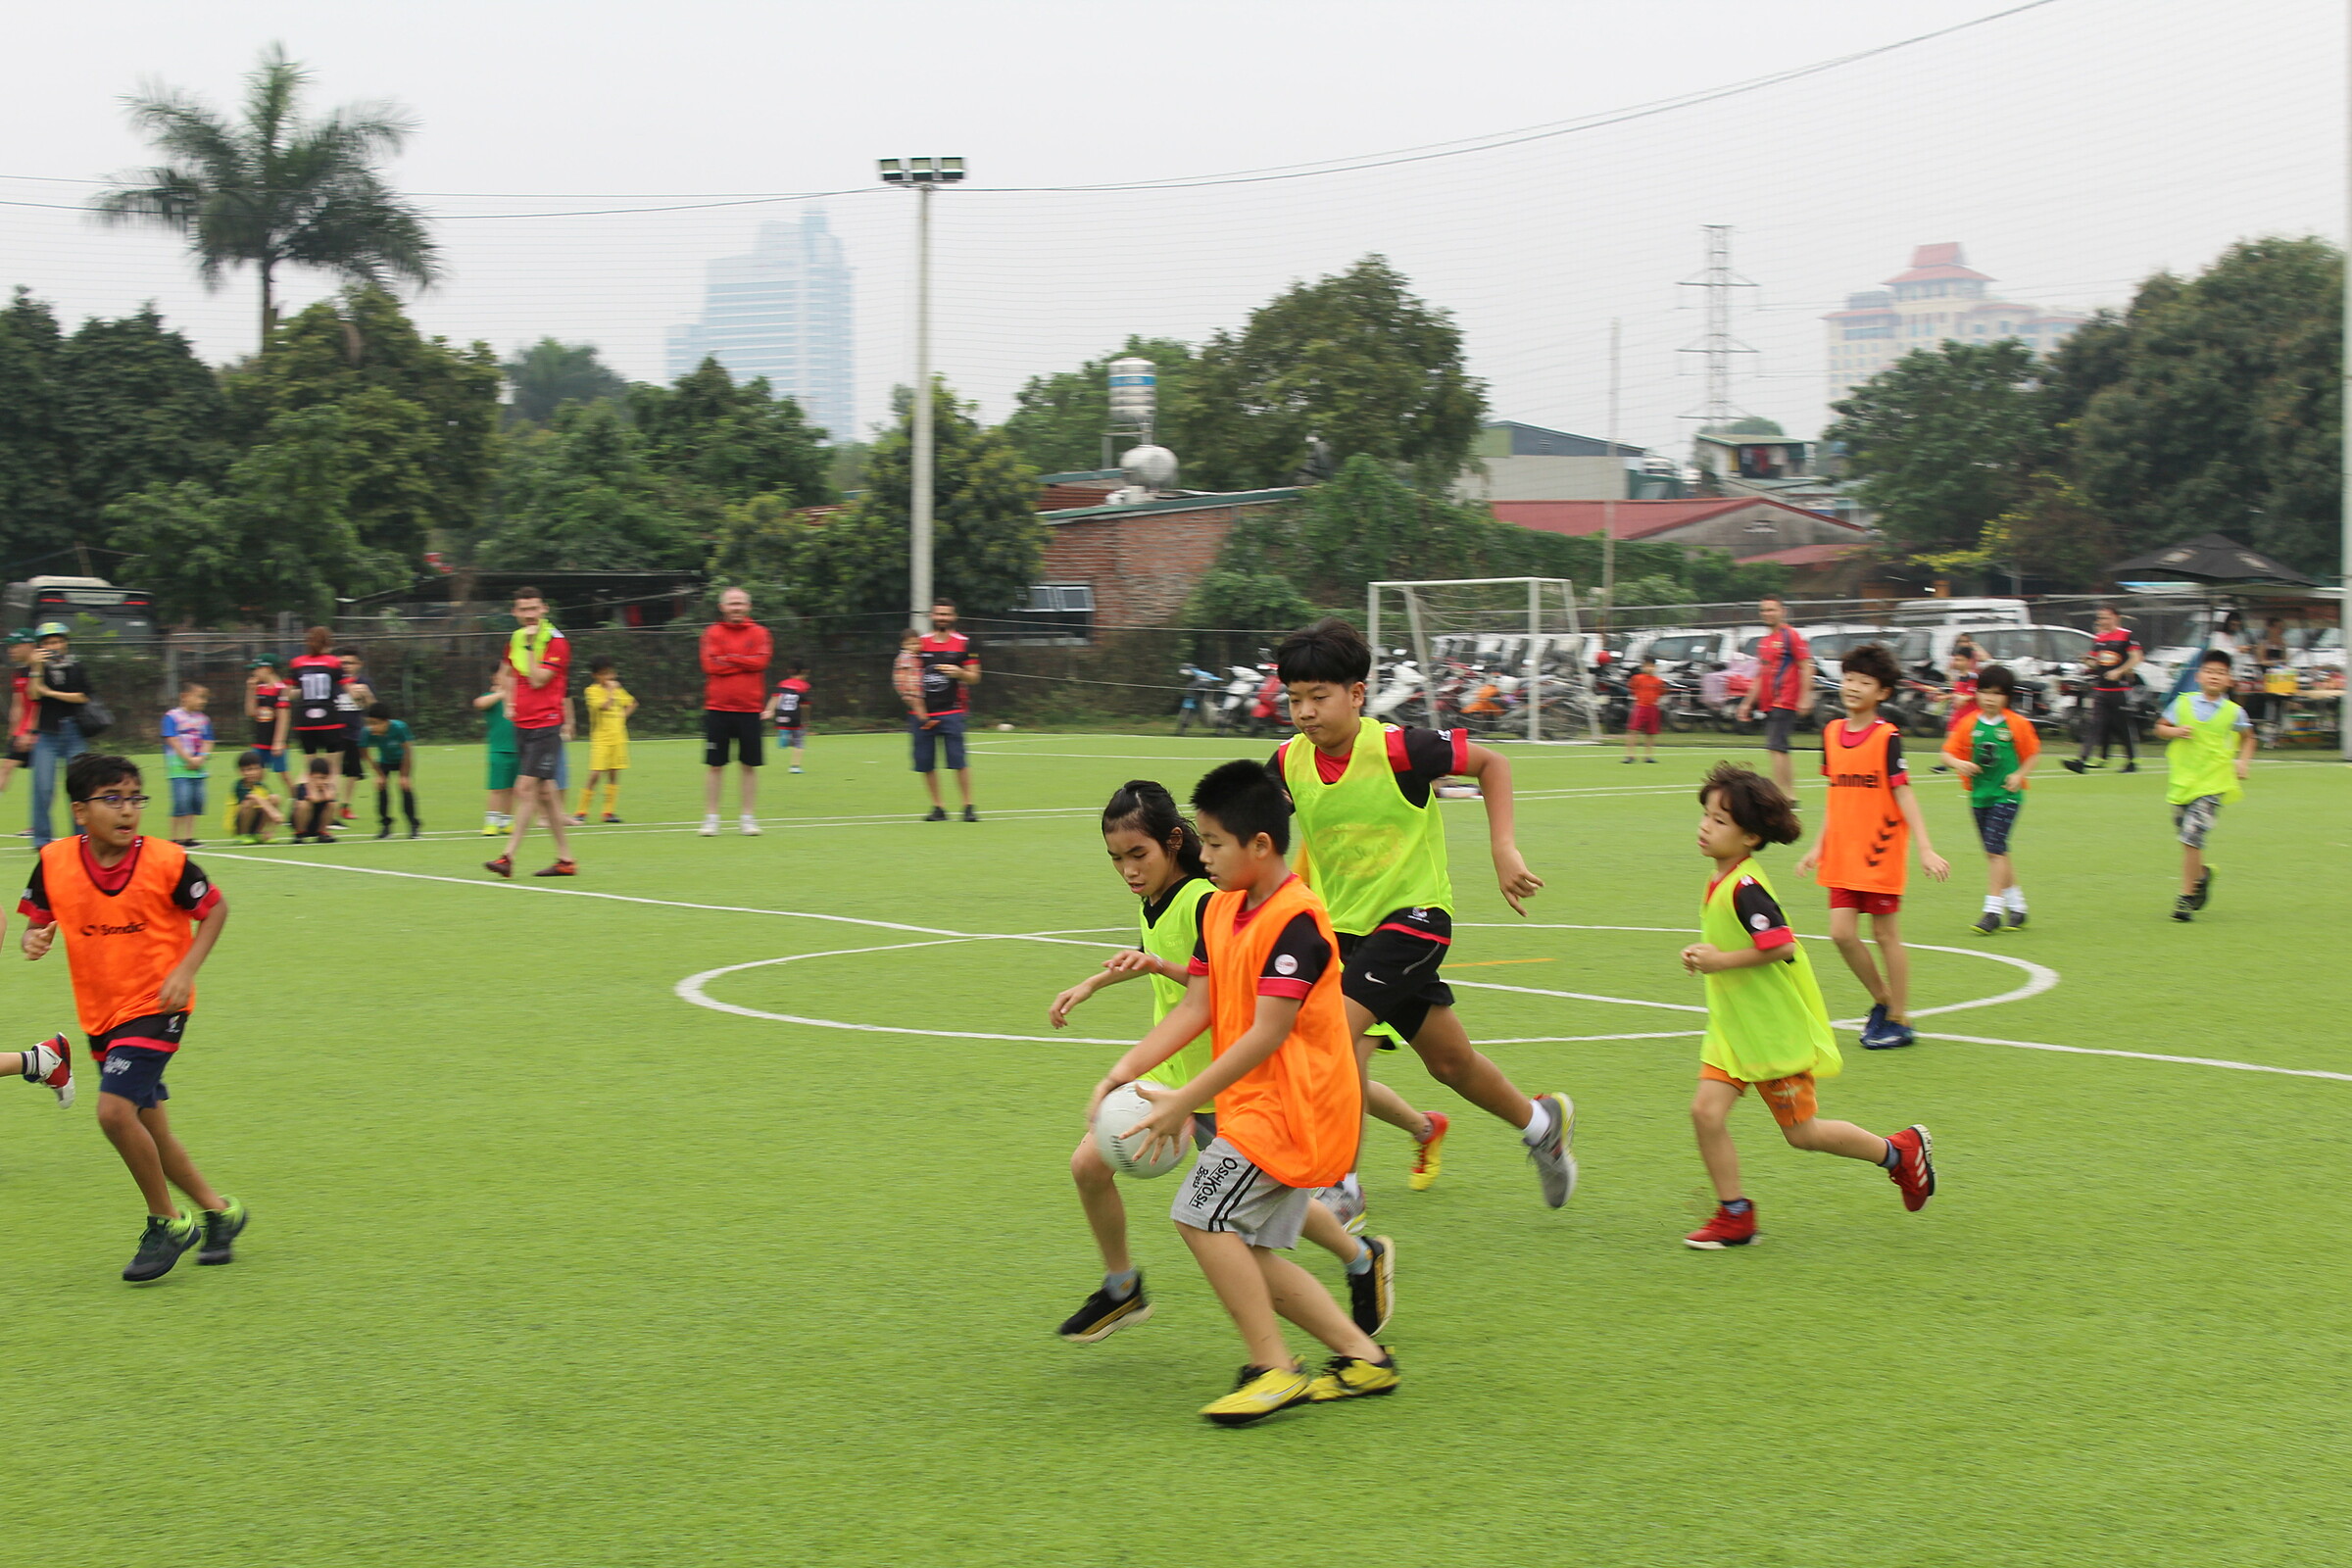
921,175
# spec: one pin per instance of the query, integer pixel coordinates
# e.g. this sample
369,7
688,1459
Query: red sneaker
560,868
1726,1229
1914,1167
503,865
59,1079
349,814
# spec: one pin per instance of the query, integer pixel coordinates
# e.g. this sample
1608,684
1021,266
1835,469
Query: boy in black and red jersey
139,918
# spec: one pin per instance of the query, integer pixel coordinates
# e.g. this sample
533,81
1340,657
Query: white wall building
782,312
1939,297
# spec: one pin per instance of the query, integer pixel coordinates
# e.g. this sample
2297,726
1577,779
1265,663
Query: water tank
1150,467
1134,393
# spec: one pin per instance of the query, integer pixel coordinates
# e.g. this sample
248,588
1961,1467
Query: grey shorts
2194,819
538,753
1778,724
1224,1192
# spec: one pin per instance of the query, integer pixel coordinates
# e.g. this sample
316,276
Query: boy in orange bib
1862,852
139,918
1266,984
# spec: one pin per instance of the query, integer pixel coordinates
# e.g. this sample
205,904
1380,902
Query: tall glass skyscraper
782,312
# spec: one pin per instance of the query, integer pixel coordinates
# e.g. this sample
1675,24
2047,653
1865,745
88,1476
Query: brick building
1141,559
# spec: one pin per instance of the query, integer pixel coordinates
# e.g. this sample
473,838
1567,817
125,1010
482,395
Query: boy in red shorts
138,919
1767,1029
1646,691
1861,854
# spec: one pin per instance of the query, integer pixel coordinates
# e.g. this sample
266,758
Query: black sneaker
938,813
222,1228
1105,1314
2074,764
1372,1295
2204,889
970,816
160,1245
384,832
1987,923
2128,767
2184,907
416,830
2017,919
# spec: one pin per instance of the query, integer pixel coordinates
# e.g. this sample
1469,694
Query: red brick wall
1142,568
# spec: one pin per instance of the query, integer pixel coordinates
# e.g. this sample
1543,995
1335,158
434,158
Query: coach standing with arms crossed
950,668
736,650
1782,688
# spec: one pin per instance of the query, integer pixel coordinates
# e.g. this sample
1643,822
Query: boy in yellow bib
1767,1028
2212,742
608,706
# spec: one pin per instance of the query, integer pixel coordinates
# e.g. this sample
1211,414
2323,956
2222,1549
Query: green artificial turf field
550,1265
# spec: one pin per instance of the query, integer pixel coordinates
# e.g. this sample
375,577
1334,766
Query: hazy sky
2073,148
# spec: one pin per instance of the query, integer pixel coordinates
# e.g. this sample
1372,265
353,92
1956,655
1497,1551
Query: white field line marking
691,989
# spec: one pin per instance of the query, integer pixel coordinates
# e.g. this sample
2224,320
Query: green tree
581,495
272,189
987,545
549,374
758,548
1059,421
729,441
1353,362
2223,413
1944,440
36,492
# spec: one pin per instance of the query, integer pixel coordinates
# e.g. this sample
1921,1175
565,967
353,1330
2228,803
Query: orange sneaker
1726,1229
1429,1158
560,868
503,865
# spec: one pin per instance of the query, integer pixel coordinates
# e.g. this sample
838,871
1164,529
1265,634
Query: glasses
115,802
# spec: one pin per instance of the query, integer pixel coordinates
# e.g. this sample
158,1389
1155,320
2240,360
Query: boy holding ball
1266,983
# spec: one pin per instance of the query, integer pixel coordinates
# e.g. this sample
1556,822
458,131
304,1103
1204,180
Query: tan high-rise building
1939,297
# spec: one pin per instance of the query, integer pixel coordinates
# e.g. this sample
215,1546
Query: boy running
608,709
140,919
1766,1026
394,756
1993,750
1372,847
788,707
1264,983
1648,715
2212,743
187,732
1861,854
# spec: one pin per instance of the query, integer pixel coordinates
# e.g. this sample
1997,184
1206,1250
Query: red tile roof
1801,556
1638,519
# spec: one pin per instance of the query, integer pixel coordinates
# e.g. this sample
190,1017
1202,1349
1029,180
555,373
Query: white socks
2015,898
1994,904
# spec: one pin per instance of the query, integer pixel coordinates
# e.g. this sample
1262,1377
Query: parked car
127,614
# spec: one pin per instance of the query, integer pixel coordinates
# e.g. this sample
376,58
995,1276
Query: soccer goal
1503,656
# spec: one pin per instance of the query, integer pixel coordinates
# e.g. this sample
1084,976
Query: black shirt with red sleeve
2109,651
1760,913
193,892
1295,962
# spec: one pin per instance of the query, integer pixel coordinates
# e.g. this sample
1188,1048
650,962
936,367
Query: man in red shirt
541,657
1782,689
736,650
950,668
21,706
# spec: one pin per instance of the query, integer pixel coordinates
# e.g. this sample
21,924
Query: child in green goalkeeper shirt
1157,855
395,757
1767,1029
1993,750
2212,743
1372,847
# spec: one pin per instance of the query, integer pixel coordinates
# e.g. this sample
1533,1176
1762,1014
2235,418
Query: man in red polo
950,667
1782,689
540,657
736,650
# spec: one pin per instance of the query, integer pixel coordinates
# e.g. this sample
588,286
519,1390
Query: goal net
1502,657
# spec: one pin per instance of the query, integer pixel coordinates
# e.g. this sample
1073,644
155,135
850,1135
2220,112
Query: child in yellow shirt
608,709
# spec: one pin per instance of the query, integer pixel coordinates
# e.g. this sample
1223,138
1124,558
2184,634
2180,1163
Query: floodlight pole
918,552
1608,503
2343,597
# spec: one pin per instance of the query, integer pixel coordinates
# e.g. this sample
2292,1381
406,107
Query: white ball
1005,726
1121,1110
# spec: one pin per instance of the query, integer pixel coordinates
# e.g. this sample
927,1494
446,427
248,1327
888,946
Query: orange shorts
1790,1099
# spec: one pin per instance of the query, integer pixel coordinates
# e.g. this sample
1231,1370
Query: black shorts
538,752
1392,970
131,1067
330,741
355,757
739,732
1778,724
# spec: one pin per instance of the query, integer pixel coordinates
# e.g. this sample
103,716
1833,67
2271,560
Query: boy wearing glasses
139,918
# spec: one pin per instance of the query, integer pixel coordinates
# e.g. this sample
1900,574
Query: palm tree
275,190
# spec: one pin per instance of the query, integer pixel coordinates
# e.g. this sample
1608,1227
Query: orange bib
1298,1113
120,946
1864,841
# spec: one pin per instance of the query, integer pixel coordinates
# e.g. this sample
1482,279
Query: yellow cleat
1259,1392
1346,1377
1429,1159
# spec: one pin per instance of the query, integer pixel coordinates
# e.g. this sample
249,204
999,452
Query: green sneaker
222,1227
160,1245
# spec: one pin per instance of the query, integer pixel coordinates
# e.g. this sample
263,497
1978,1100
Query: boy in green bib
2212,741
1157,855
1373,849
1767,1029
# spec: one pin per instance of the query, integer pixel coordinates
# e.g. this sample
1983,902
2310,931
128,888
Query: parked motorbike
1199,698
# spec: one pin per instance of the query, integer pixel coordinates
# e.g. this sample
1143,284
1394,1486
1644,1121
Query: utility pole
922,175
1608,503
1717,342
2343,600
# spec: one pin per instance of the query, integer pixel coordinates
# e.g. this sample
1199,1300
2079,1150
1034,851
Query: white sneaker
1345,1200
1555,1156
710,827
749,826
796,768
53,1067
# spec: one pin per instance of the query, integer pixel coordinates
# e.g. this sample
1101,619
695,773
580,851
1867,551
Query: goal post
1523,634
